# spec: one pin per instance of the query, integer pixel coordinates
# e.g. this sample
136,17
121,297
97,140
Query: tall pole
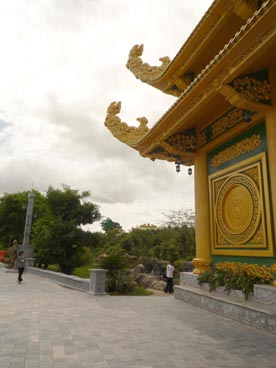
28,249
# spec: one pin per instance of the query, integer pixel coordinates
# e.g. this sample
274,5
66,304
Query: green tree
13,208
58,237
108,224
138,242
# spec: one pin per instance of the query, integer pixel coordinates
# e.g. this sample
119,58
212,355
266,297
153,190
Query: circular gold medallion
238,208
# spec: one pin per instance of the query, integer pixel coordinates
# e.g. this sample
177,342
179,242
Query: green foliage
214,279
93,240
13,208
87,257
179,265
140,291
118,279
237,276
57,235
164,243
107,225
83,271
53,267
120,282
114,262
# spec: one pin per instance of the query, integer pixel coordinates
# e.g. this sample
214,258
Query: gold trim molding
143,71
234,151
120,130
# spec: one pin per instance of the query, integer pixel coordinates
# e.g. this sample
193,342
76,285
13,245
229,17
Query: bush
114,262
179,265
86,258
120,282
239,276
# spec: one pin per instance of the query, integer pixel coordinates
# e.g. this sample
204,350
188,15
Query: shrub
179,265
120,282
114,262
86,258
240,276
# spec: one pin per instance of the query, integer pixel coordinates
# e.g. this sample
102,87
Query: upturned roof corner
122,131
143,71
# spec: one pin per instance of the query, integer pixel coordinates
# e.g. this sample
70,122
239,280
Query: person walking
21,263
169,274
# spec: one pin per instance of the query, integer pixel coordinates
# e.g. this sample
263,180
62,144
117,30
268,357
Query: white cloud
62,64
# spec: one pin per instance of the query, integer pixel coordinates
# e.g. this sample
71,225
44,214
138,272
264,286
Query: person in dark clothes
169,274
21,263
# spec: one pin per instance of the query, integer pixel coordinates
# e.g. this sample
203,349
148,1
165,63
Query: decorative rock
150,281
139,269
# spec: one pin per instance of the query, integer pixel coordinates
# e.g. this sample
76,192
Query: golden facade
223,122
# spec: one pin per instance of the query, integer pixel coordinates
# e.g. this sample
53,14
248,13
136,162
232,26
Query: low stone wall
258,311
265,294
68,280
95,285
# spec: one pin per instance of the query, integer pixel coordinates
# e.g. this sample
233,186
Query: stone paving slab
45,325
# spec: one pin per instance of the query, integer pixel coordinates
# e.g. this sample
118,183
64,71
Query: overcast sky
62,63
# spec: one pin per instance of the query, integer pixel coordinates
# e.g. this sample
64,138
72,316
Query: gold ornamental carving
238,209
234,151
144,71
227,122
252,89
182,142
120,130
240,212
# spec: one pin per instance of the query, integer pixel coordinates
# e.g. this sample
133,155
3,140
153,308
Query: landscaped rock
139,269
153,265
150,281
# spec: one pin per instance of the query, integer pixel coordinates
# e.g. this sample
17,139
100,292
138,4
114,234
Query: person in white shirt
169,274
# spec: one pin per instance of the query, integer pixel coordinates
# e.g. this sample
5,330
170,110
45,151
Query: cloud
62,64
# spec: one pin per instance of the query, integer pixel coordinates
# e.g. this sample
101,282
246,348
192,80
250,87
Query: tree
13,208
58,237
178,218
107,225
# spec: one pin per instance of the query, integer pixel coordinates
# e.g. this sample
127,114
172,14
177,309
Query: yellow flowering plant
239,276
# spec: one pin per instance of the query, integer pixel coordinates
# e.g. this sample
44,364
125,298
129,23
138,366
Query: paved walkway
46,325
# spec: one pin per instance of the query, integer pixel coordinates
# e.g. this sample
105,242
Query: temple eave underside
172,77
235,81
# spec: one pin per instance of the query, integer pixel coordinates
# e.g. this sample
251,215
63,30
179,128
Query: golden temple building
223,122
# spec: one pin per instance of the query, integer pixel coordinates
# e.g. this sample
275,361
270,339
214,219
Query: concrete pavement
45,325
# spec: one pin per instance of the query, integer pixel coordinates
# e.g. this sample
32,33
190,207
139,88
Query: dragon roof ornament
143,71
120,130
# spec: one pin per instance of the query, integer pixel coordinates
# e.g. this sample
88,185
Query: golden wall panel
240,209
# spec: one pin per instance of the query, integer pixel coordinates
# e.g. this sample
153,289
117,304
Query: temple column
271,141
202,260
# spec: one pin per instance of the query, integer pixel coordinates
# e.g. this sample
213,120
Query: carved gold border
246,145
265,248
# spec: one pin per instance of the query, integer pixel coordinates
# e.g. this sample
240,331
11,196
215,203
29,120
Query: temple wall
235,200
